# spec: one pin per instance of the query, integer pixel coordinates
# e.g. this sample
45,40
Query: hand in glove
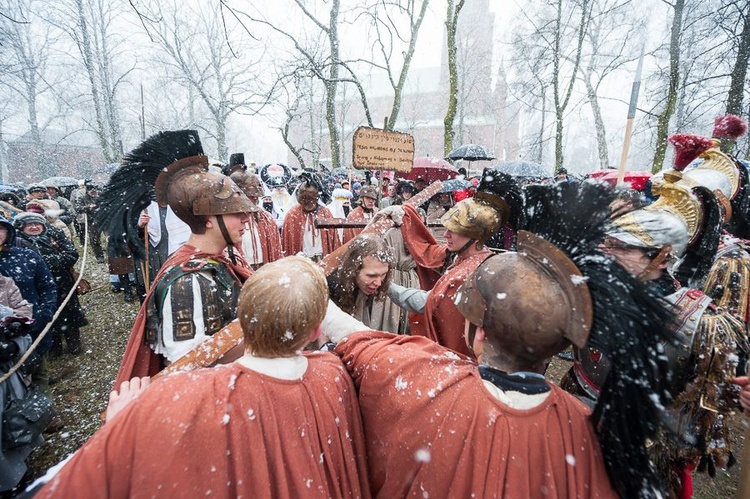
395,212
8,350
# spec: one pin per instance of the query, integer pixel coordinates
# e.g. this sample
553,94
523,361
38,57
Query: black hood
11,232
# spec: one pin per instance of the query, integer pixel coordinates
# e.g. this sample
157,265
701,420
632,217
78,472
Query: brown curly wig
341,282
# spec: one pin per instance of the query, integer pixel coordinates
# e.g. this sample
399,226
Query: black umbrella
470,152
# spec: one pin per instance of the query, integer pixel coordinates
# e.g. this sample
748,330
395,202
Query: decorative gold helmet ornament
718,171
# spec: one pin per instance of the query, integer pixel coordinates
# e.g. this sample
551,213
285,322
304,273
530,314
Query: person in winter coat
60,255
37,286
13,308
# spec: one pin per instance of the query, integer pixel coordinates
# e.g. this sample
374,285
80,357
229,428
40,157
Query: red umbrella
636,179
431,169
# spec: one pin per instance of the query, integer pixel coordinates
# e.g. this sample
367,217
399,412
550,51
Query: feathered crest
687,148
503,188
739,224
628,327
730,127
131,188
699,258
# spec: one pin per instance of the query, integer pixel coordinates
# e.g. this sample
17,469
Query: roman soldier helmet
559,288
716,170
479,217
249,183
195,193
172,168
368,192
236,163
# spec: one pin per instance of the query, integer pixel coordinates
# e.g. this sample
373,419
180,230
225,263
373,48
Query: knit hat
25,218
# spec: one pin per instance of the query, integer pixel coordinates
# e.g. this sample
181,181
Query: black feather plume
699,257
629,324
312,178
739,224
131,188
503,186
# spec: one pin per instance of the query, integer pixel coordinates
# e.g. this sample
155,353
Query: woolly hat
25,218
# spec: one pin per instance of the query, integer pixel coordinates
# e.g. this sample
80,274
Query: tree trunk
601,133
88,61
561,101
331,86
110,103
451,25
739,73
3,163
662,126
399,88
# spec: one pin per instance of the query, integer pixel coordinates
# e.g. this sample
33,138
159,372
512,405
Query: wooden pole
631,117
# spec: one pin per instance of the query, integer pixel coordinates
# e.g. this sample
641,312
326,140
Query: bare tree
387,18
213,61
609,45
662,128
451,27
89,26
26,51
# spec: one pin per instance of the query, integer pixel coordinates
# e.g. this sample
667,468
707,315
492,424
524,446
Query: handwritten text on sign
383,150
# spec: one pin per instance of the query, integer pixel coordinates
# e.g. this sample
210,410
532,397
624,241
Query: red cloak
293,230
139,359
228,432
356,215
441,321
268,233
433,429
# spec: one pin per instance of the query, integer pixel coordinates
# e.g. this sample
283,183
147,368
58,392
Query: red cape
292,231
228,432
270,239
432,429
441,320
139,359
357,214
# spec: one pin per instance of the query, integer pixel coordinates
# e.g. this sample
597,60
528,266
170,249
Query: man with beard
299,234
368,196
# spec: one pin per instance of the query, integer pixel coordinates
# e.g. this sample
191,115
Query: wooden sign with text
376,149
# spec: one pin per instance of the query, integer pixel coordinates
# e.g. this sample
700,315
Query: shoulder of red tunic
356,214
362,350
